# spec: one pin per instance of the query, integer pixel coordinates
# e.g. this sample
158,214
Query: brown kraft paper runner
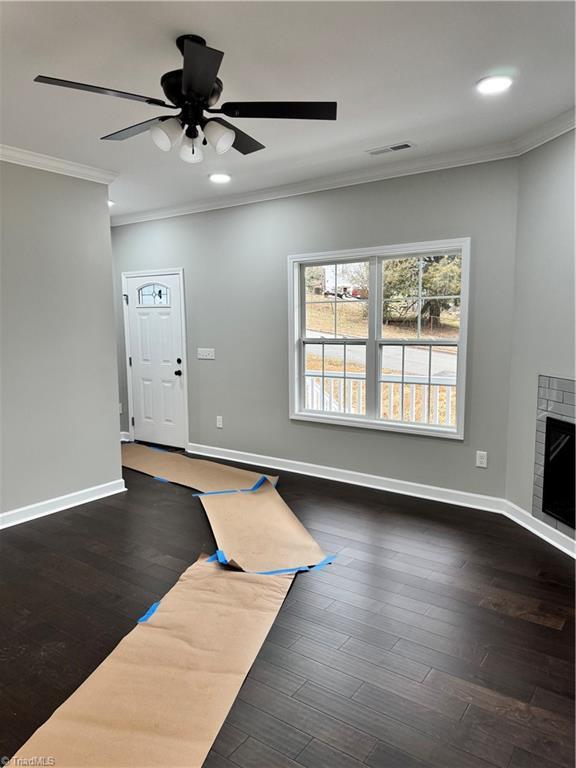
162,695
195,473
259,532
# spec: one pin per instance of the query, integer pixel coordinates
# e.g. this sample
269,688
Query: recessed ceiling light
219,178
494,84
111,203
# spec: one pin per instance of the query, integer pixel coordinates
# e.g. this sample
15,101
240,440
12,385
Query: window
378,337
153,294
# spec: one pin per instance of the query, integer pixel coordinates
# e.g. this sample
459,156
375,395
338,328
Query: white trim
124,437
295,290
408,167
48,507
55,165
179,272
407,488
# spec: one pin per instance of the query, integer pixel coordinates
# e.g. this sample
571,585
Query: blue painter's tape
150,612
258,484
223,560
161,479
301,569
221,557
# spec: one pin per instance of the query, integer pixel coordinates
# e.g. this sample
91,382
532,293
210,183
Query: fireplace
559,461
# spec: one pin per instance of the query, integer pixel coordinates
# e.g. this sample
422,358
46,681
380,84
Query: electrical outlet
219,422
482,459
205,353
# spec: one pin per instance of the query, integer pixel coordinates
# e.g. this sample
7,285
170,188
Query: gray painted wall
236,301
543,335
59,395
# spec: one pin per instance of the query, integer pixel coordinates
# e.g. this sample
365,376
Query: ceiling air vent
390,148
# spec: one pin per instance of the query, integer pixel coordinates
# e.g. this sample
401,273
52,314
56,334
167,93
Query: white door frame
154,273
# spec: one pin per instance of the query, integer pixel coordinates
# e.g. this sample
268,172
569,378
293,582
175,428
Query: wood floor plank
320,755
531,740
383,728
255,754
505,707
392,683
229,739
387,659
281,736
343,736
310,668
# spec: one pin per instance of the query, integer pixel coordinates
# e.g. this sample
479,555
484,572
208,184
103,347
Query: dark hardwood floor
441,636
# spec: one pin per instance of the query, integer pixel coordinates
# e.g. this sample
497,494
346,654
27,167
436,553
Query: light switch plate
206,353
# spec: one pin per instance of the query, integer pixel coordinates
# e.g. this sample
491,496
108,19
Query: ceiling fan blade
103,91
291,110
243,143
201,65
133,130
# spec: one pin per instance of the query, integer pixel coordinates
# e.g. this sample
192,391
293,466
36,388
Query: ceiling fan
195,90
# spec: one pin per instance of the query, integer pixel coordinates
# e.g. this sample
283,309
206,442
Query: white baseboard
124,437
48,507
432,492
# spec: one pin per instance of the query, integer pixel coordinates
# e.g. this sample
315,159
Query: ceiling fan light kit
166,134
194,90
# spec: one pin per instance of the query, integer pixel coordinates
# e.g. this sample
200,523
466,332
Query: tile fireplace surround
556,397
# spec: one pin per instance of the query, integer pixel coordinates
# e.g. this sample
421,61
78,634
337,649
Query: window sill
424,430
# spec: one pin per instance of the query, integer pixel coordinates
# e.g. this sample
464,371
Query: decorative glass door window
153,294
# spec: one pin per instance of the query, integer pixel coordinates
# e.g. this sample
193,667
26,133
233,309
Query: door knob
177,373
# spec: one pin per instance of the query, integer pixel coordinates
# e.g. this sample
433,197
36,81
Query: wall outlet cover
219,422
482,459
206,353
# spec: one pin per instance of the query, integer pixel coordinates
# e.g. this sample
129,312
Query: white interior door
157,366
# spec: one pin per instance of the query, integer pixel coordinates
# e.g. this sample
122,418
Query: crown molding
55,165
500,151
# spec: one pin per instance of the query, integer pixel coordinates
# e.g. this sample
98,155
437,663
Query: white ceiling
399,71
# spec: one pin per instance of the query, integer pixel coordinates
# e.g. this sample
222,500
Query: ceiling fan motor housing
171,83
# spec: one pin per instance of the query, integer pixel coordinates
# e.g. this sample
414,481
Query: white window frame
373,342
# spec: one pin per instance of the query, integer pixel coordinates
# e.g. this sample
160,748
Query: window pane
334,358
390,401
320,319
313,393
320,282
444,365
313,358
356,396
355,359
415,403
416,364
441,275
440,318
443,406
352,281
400,277
400,319
391,365
352,319
334,394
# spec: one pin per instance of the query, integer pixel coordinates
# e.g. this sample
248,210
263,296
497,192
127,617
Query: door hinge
125,298
132,420
130,361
